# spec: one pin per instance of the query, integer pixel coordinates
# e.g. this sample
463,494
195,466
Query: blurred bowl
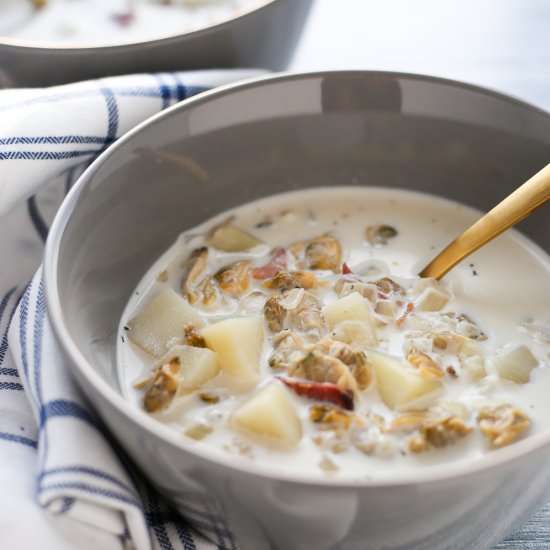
360,128
262,35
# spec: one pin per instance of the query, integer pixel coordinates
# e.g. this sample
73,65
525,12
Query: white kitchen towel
62,484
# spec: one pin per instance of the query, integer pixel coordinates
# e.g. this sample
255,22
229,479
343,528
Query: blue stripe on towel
91,489
94,472
18,439
64,407
13,386
45,155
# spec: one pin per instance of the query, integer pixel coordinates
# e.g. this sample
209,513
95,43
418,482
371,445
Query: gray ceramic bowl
262,36
258,138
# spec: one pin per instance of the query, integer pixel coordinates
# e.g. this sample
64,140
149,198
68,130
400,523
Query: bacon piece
401,319
277,263
322,391
346,269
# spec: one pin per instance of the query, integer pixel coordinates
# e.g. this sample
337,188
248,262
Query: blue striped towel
62,485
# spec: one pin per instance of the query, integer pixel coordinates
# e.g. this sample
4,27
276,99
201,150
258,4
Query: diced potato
359,333
432,299
270,412
197,366
474,367
238,343
232,239
386,308
422,285
159,325
399,385
352,307
516,365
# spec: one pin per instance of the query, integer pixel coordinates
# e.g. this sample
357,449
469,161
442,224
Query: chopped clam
380,234
199,430
196,266
317,366
355,359
329,414
502,424
297,310
387,286
234,279
269,412
229,238
516,365
324,252
286,280
191,336
159,325
287,345
164,388
238,341
344,287
274,314
425,364
444,431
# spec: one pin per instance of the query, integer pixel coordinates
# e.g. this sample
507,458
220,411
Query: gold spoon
524,200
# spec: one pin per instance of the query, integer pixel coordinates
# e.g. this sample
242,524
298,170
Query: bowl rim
435,473
193,32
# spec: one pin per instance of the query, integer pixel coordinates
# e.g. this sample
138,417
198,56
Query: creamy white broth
502,287
109,21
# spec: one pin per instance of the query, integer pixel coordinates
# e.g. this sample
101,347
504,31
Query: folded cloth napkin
63,485
54,453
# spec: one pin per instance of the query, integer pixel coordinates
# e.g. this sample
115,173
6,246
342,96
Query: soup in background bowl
226,148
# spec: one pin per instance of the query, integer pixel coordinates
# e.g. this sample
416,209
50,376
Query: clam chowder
295,329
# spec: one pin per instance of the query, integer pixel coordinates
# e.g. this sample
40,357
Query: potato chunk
352,307
159,325
269,412
232,239
400,386
197,366
516,365
238,342
432,299
359,333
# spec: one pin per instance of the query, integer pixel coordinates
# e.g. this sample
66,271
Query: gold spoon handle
524,200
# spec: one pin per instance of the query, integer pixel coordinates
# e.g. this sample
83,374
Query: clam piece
196,266
159,325
274,314
238,342
317,366
234,279
502,424
444,431
229,238
287,345
345,286
164,388
269,412
379,235
324,252
516,365
287,280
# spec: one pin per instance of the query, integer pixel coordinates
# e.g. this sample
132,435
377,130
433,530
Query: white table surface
501,44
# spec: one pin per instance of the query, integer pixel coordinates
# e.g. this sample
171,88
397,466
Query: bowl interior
269,136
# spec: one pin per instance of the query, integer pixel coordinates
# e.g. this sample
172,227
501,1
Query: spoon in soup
516,206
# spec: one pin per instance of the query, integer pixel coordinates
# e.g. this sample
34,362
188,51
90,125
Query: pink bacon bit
321,391
346,270
270,269
401,319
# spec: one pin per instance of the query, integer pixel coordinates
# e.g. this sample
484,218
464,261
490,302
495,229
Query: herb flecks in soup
295,327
